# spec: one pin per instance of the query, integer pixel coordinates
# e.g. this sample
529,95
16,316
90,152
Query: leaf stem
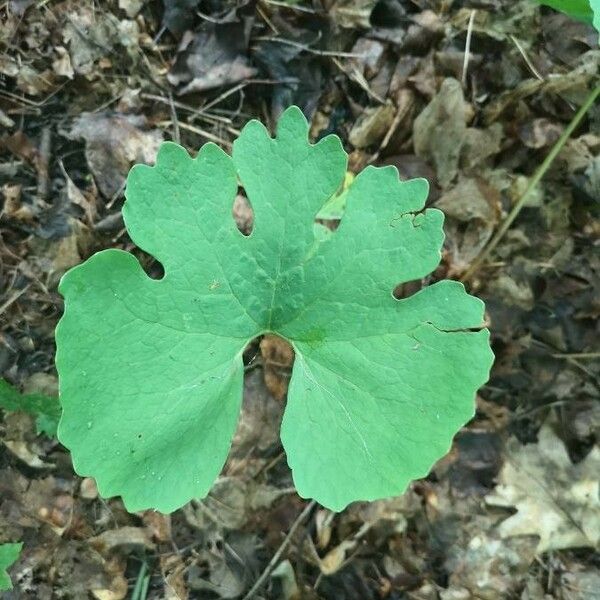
541,171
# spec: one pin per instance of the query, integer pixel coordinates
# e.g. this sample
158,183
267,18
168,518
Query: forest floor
89,88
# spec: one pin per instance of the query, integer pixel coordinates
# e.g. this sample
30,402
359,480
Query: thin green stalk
541,171
140,591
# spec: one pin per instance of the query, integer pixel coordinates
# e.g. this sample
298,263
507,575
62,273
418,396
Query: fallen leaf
128,538
278,357
90,35
556,500
439,131
473,210
372,125
212,57
113,143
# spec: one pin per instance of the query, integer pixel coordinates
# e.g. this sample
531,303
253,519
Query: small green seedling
151,370
45,409
9,554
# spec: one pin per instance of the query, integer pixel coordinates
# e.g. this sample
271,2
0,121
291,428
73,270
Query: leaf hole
152,267
242,213
407,289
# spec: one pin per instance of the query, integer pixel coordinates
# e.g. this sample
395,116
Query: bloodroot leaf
151,370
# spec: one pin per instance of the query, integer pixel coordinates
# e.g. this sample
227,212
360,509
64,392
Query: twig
116,195
306,48
528,62
269,569
215,20
579,355
294,7
401,112
465,68
209,136
541,171
176,136
266,19
14,297
27,102
196,112
355,75
42,164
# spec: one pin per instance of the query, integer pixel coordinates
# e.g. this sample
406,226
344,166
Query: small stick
579,355
306,48
209,136
176,136
528,62
467,48
269,569
15,296
42,164
541,171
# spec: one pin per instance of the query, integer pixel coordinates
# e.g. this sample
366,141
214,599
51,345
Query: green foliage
9,553
45,409
595,5
151,371
577,9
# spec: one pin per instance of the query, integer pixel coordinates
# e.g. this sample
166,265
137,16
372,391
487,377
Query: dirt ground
513,511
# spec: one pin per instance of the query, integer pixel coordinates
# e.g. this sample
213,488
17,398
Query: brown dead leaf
351,13
77,197
231,503
27,452
370,55
62,63
372,125
260,419
212,57
439,131
336,558
21,146
539,133
124,538
88,489
13,207
113,143
556,500
243,215
59,513
480,145
158,524
90,35
278,357
472,208
33,82
173,570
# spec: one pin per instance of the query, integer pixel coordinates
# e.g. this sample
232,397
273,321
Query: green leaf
151,370
595,6
46,409
9,553
577,9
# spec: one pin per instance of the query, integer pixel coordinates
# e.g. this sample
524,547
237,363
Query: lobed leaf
151,370
587,11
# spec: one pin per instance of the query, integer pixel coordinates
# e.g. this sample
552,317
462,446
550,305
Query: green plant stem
541,171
